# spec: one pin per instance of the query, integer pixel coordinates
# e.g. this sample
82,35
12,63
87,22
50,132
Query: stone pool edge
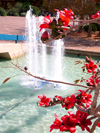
87,51
11,50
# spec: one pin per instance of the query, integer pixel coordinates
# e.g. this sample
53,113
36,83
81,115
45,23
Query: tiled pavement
16,26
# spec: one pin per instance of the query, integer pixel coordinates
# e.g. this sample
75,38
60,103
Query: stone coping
12,50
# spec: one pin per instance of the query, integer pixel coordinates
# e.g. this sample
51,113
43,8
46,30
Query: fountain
35,46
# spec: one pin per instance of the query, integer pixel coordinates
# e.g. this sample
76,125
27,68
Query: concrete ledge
87,51
82,52
11,51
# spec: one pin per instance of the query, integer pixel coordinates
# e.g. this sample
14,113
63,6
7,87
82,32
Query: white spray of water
32,26
58,51
32,43
43,49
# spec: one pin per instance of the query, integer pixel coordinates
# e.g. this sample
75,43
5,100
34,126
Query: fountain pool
19,112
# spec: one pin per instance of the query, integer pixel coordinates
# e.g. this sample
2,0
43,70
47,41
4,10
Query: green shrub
9,6
86,27
26,7
36,10
95,27
98,26
2,12
13,12
23,14
19,7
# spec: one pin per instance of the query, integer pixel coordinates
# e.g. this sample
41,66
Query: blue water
19,112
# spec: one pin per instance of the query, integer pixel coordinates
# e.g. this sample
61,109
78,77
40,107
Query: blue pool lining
15,38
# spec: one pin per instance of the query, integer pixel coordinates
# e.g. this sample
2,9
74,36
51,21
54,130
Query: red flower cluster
69,122
44,100
66,15
91,81
91,67
63,20
69,102
83,121
85,98
97,15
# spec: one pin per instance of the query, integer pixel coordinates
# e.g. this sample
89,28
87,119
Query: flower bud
25,68
45,36
87,59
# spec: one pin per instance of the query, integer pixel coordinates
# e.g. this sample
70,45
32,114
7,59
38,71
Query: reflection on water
19,112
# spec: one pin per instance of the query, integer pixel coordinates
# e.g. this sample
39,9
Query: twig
96,94
80,109
61,82
94,125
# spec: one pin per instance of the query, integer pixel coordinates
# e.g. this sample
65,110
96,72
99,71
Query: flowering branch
71,29
82,98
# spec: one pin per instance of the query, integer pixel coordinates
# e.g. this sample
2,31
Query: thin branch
80,109
53,103
94,80
94,125
97,109
61,82
92,117
95,98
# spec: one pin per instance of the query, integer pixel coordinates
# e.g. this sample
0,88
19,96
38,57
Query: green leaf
63,36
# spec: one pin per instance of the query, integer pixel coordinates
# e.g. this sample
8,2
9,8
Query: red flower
91,80
44,101
46,23
91,67
47,19
98,124
69,102
85,98
65,15
69,122
68,13
45,36
83,121
44,26
58,97
97,15
56,124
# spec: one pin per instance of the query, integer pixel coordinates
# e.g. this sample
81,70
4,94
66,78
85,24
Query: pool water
19,112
